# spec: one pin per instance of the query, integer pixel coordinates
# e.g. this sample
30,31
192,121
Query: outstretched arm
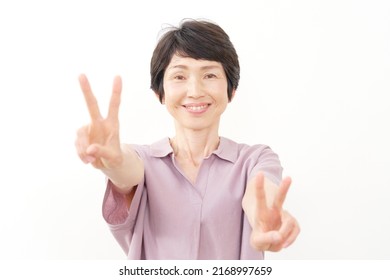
98,142
273,228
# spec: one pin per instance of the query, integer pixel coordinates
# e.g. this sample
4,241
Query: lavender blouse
170,218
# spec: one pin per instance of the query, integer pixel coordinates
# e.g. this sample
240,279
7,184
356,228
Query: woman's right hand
98,142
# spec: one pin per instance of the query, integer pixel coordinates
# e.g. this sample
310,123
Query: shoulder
251,159
241,151
158,149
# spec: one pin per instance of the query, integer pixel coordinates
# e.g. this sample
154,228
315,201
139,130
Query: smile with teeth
196,107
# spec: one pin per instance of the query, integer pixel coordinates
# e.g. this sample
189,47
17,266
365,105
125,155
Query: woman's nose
194,88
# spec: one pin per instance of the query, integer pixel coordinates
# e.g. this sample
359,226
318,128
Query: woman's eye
179,77
210,76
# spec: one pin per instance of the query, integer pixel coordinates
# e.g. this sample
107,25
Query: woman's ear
162,101
233,94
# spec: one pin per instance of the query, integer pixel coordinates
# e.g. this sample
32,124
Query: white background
314,86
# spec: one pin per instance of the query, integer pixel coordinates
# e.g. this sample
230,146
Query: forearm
129,173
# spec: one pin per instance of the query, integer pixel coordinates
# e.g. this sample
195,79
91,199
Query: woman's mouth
196,108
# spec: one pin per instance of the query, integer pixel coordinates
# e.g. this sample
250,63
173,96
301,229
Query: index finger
90,99
113,110
260,192
282,193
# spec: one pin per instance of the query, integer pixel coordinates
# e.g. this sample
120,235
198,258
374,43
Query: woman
196,195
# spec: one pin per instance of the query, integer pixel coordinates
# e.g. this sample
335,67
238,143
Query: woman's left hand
273,228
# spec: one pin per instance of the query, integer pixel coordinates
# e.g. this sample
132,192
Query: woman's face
195,92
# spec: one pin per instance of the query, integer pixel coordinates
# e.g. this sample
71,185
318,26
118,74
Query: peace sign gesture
273,228
98,143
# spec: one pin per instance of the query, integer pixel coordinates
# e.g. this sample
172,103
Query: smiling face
195,92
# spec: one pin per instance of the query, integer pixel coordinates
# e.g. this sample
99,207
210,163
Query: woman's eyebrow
178,66
209,67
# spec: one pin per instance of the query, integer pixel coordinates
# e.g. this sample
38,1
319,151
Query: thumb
99,151
263,241
104,157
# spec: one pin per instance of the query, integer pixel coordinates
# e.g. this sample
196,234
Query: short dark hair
198,40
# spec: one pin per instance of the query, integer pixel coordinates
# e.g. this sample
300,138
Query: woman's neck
194,146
